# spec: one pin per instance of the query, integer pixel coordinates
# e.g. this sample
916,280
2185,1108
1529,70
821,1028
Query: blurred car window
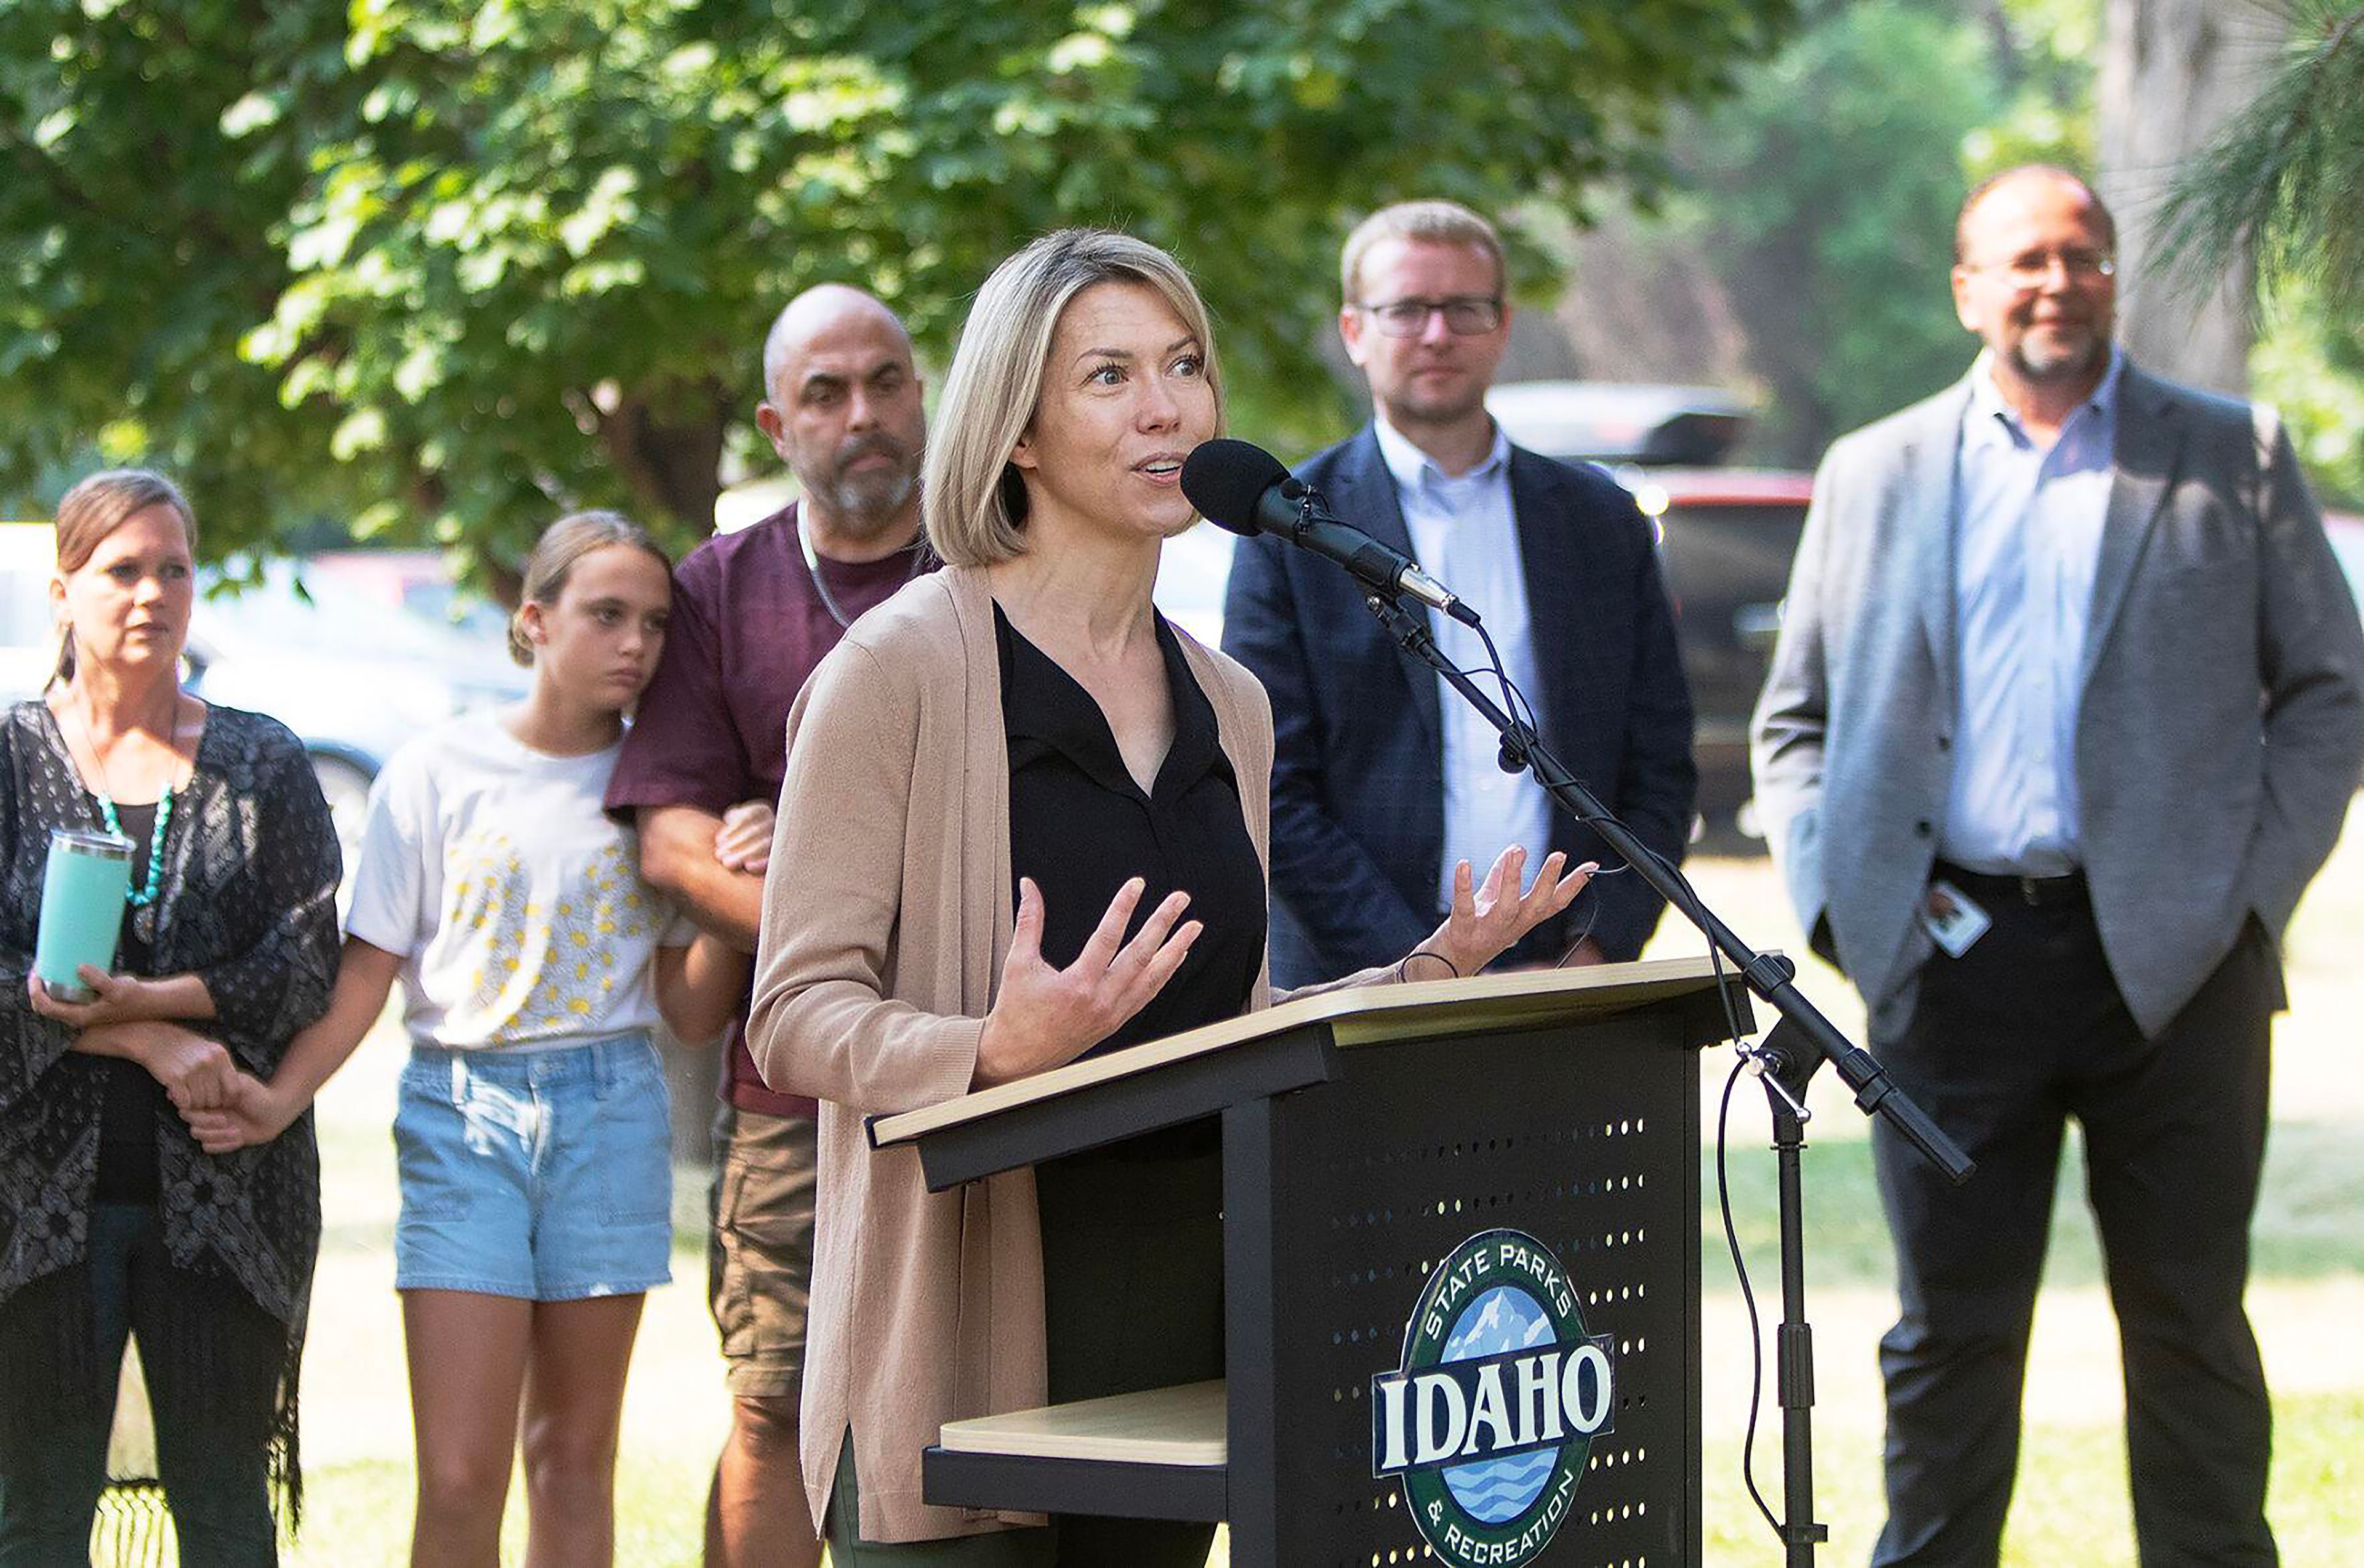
1726,536
418,582
1614,422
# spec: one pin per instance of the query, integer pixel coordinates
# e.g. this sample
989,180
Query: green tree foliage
1825,191
2041,55
2282,186
447,267
135,247
2309,363
2284,181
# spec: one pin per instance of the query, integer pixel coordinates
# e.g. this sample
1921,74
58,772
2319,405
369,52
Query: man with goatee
752,613
2064,715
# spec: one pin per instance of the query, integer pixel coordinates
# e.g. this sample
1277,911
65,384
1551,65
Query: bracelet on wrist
1403,965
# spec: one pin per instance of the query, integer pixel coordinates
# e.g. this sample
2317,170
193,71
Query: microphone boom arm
1808,1036
1377,568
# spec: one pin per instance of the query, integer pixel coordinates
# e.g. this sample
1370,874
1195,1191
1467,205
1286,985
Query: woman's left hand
116,999
1490,920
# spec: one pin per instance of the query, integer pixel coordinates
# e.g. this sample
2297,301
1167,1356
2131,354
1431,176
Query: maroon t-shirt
712,728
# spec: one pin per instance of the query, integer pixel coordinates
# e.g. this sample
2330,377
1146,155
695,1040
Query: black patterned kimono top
247,904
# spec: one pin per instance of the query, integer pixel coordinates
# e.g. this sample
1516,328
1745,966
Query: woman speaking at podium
1024,820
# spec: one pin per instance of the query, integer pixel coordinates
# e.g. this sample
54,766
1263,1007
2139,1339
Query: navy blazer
1357,784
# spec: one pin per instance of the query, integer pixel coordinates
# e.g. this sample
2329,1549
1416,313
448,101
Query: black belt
1987,886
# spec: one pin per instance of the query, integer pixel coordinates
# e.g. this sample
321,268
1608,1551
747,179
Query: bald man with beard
753,612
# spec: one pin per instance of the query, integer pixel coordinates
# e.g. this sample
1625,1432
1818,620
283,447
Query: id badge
1953,917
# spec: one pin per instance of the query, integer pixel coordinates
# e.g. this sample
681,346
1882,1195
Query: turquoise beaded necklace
142,896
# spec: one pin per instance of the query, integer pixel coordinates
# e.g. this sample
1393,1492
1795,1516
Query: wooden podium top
1368,1015
1182,1425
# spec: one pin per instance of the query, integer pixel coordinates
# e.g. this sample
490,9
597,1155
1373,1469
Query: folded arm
281,983
254,1111
679,858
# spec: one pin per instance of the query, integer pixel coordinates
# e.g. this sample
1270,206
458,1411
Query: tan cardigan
886,916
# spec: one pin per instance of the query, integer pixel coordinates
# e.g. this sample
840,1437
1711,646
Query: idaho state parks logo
1492,1416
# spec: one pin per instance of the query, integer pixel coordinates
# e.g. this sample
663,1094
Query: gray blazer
2222,727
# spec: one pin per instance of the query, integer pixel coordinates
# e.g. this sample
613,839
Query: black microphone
1240,486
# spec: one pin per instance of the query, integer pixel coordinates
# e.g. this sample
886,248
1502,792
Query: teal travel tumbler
82,909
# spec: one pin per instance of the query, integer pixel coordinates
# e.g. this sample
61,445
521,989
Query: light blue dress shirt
2027,543
1466,533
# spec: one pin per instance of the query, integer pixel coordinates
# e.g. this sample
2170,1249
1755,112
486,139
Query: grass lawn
2307,1297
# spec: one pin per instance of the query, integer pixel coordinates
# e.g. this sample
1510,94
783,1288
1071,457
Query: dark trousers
1132,1275
213,1422
2006,1043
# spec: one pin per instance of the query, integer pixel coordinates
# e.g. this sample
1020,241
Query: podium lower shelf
1159,1454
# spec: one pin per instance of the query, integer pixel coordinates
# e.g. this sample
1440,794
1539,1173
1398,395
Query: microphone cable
1747,1298
1515,703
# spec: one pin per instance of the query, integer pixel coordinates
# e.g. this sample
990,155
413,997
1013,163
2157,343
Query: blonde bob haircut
973,502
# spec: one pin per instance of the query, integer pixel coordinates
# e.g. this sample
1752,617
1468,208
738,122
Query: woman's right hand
250,1113
1044,1017
195,1072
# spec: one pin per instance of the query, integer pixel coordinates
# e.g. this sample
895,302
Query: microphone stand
1786,1060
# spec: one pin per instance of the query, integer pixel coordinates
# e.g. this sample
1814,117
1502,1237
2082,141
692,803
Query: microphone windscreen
1225,479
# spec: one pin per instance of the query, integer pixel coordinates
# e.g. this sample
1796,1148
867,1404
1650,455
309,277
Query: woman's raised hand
1487,922
1043,1017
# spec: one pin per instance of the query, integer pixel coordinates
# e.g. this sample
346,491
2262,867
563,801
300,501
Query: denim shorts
543,1175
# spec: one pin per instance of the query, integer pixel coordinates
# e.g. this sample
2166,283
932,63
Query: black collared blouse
1080,827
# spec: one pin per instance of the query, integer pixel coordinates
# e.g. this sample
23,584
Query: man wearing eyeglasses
1382,780
2064,717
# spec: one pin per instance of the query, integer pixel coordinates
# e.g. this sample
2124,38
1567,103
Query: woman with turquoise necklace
113,1225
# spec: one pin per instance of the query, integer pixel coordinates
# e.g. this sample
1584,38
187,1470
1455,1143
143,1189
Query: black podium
1461,1275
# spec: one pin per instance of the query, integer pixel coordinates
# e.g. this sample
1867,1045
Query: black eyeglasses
1465,315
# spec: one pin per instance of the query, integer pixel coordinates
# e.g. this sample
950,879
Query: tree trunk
2171,72
667,445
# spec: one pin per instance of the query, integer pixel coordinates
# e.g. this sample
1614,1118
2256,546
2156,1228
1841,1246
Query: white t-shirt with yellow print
514,903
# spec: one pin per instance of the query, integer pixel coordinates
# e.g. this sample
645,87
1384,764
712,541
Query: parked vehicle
28,647
416,582
1726,536
353,676
1615,422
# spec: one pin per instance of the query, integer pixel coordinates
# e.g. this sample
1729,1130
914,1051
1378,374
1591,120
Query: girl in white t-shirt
534,1134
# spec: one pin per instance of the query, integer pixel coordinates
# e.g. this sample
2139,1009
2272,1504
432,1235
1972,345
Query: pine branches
2283,182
